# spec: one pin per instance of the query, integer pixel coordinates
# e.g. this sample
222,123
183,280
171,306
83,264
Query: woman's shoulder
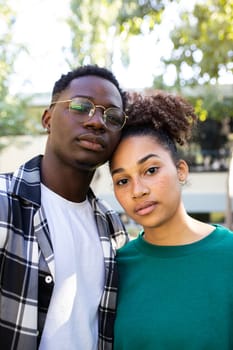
128,248
224,231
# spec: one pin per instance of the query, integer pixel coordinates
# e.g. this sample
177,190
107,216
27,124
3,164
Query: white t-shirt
72,319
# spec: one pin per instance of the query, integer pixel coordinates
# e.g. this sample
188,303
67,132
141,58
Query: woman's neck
179,231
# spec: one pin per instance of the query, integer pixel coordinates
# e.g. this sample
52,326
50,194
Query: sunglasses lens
115,119
81,106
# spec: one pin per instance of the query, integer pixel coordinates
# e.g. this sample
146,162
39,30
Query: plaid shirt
27,260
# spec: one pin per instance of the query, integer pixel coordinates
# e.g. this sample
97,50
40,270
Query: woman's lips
145,208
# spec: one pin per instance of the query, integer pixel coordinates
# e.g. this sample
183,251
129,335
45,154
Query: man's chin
89,167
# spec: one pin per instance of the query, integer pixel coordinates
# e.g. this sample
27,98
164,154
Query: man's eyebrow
140,161
83,96
91,98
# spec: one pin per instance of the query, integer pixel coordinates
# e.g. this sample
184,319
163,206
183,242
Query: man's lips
92,142
145,207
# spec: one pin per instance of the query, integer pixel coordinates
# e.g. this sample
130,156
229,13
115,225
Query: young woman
176,278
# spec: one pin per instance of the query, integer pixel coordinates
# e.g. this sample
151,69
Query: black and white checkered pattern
27,261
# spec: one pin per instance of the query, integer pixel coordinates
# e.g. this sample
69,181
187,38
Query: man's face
85,144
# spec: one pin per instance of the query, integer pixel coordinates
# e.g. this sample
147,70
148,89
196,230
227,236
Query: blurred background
185,47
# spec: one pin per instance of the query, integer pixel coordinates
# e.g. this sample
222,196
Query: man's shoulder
31,164
105,210
24,181
5,180
107,217
100,205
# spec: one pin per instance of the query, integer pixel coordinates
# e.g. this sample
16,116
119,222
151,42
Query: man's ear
45,119
182,171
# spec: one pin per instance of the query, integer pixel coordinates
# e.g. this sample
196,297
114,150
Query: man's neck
70,183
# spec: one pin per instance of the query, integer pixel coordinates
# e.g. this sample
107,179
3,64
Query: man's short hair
65,79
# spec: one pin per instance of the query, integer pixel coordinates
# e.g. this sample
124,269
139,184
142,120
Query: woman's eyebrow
140,161
144,159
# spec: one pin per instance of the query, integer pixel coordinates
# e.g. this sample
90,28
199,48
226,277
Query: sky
40,25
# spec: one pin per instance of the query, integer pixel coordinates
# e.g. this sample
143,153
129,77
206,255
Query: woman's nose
139,189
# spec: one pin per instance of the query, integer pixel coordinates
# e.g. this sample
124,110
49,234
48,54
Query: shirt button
48,279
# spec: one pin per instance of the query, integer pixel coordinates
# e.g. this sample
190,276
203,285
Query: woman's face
146,180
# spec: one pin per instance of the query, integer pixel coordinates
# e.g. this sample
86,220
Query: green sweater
176,297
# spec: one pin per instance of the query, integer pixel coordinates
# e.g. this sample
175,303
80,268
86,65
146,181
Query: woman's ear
45,119
182,171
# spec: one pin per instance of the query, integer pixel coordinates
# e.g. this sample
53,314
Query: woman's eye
122,182
152,170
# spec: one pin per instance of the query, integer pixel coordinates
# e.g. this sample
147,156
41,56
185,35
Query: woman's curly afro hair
161,111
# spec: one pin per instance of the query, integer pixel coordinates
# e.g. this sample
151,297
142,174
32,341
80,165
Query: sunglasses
113,118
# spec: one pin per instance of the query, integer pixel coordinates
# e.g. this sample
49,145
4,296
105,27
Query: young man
57,240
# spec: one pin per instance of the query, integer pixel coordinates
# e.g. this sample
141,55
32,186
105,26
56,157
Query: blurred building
205,194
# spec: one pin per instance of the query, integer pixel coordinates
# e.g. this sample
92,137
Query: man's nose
96,119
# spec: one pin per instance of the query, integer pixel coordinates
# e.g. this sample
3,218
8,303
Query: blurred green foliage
203,41
97,27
